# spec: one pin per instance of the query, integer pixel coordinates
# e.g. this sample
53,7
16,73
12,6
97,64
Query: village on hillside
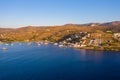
87,40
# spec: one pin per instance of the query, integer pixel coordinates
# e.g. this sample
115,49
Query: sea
30,61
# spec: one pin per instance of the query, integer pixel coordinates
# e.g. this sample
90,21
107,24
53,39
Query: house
116,34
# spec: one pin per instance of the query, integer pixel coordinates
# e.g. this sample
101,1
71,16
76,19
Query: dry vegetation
54,33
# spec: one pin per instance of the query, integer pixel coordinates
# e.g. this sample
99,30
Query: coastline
96,48
103,48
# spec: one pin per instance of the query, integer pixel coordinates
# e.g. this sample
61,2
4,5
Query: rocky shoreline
96,48
103,48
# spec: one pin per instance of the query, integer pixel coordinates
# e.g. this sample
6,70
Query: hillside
54,33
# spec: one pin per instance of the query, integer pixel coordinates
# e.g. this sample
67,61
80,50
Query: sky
19,13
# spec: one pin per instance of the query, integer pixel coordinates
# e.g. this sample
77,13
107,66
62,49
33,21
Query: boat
38,44
55,43
61,45
6,44
4,48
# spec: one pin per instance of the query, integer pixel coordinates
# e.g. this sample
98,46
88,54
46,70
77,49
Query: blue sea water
49,62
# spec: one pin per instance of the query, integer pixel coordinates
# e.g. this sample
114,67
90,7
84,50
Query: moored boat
55,43
4,48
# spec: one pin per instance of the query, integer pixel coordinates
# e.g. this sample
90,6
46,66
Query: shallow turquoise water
49,62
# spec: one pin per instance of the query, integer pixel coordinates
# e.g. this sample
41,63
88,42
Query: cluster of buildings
117,36
83,39
79,39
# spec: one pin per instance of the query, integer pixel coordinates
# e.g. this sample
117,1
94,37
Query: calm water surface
49,62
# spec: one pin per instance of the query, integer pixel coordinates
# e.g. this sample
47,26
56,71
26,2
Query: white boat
4,48
38,44
6,44
61,45
55,43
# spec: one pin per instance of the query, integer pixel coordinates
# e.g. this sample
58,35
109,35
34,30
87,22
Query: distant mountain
114,23
5,30
88,24
72,24
113,26
91,24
